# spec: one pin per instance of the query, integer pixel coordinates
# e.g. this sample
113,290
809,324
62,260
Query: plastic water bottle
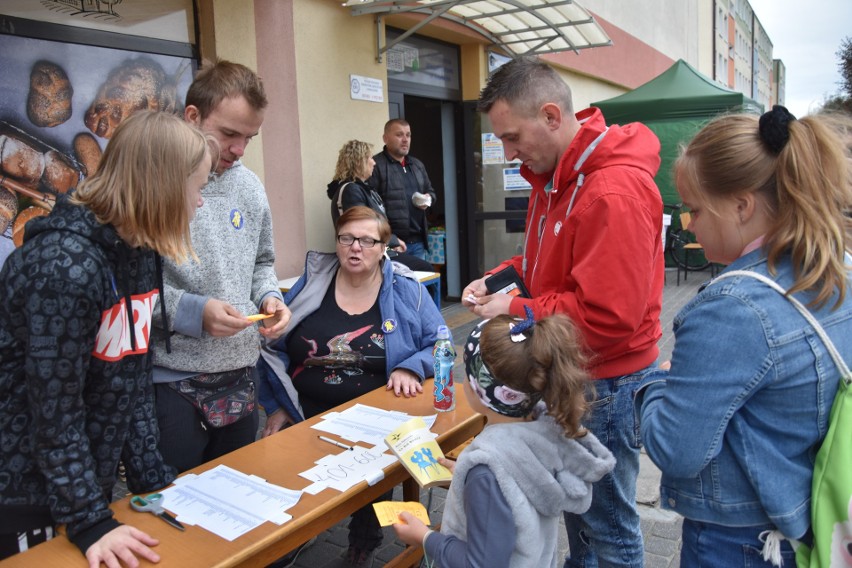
445,356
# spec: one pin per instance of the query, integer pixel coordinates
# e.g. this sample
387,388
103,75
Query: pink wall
282,163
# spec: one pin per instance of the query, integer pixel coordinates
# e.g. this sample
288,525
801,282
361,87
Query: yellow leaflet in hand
388,511
258,317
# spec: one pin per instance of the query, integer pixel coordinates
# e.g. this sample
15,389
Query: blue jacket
403,303
736,423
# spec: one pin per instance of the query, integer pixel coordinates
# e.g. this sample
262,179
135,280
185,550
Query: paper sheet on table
342,471
368,424
388,511
227,502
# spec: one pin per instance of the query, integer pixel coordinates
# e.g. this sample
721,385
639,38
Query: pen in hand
336,443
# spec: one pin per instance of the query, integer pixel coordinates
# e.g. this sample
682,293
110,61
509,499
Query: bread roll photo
49,99
88,152
22,219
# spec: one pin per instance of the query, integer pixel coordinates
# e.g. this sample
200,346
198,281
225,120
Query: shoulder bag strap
340,198
832,350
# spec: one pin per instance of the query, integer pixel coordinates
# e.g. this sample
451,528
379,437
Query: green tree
844,54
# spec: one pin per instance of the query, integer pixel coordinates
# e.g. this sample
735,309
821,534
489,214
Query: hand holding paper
388,511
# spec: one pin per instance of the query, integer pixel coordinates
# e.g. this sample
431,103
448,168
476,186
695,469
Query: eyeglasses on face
365,242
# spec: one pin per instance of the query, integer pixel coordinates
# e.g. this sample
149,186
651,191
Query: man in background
405,188
593,251
207,343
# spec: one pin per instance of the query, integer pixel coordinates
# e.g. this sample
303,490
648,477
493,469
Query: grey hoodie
541,473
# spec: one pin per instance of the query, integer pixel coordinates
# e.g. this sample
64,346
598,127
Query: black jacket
390,185
75,377
356,193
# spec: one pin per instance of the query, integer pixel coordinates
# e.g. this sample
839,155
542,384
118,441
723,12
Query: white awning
519,27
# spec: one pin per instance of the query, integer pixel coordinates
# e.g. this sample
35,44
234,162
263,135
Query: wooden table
278,459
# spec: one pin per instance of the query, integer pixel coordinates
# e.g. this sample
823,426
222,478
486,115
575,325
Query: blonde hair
351,159
807,186
140,184
550,361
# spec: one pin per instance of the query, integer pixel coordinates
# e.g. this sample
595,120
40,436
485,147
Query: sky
806,35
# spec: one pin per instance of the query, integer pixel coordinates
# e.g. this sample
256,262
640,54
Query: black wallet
507,281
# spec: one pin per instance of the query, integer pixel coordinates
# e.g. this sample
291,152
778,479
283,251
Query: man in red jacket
593,251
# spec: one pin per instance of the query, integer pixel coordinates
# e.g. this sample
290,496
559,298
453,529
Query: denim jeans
416,249
710,545
608,534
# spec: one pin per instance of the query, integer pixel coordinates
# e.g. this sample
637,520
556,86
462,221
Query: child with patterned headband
531,462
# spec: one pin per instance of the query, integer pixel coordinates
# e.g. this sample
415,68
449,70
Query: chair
690,249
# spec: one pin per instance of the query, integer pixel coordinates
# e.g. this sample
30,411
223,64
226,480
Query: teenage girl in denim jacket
736,422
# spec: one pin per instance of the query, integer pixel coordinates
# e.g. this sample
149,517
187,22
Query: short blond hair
140,184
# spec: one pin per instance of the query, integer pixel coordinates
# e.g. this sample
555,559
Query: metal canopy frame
518,27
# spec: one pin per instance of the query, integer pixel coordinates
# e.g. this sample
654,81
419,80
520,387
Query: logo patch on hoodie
113,340
557,227
236,219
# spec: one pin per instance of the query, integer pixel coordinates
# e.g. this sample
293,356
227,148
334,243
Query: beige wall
234,23
330,45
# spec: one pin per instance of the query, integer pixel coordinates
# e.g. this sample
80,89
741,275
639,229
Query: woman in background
349,188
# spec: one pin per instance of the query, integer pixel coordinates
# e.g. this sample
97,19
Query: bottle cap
443,332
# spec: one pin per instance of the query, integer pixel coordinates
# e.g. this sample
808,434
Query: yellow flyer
388,511
416,448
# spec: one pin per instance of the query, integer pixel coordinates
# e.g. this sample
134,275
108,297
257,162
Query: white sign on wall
366,89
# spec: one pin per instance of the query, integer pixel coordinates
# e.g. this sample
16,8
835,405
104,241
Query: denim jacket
736,423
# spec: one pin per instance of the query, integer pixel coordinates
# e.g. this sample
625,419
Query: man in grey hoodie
210,344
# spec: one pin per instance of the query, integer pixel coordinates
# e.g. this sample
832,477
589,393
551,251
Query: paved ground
661,529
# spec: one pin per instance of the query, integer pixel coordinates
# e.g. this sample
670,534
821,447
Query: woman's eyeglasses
365,242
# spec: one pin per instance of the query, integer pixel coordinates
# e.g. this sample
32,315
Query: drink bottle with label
445,356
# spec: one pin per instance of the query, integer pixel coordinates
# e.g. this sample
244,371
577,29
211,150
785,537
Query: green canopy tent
675,105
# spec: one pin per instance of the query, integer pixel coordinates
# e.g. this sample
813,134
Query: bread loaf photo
21,221
88,152
8,208
49,99
59,175
20,160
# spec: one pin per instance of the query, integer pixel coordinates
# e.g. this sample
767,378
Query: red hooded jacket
593,248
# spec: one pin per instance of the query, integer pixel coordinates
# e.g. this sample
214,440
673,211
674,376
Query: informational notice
492,149
512,180
366,89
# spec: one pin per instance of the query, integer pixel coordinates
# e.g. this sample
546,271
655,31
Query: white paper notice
227,502
368,424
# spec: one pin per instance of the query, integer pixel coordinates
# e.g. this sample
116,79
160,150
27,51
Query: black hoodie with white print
75,376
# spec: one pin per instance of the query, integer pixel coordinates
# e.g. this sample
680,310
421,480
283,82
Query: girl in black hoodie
75,370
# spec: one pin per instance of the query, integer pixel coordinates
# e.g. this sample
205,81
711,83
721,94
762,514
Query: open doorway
433,142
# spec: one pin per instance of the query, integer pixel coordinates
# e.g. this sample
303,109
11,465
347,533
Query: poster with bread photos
59,105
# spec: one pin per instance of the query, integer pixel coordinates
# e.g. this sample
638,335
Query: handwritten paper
388,511
227,502
348,468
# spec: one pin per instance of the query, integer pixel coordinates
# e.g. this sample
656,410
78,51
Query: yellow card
258,317
388,511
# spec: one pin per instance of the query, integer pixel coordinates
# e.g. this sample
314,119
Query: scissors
153,504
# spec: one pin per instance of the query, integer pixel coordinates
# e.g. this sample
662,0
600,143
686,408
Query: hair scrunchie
774,127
